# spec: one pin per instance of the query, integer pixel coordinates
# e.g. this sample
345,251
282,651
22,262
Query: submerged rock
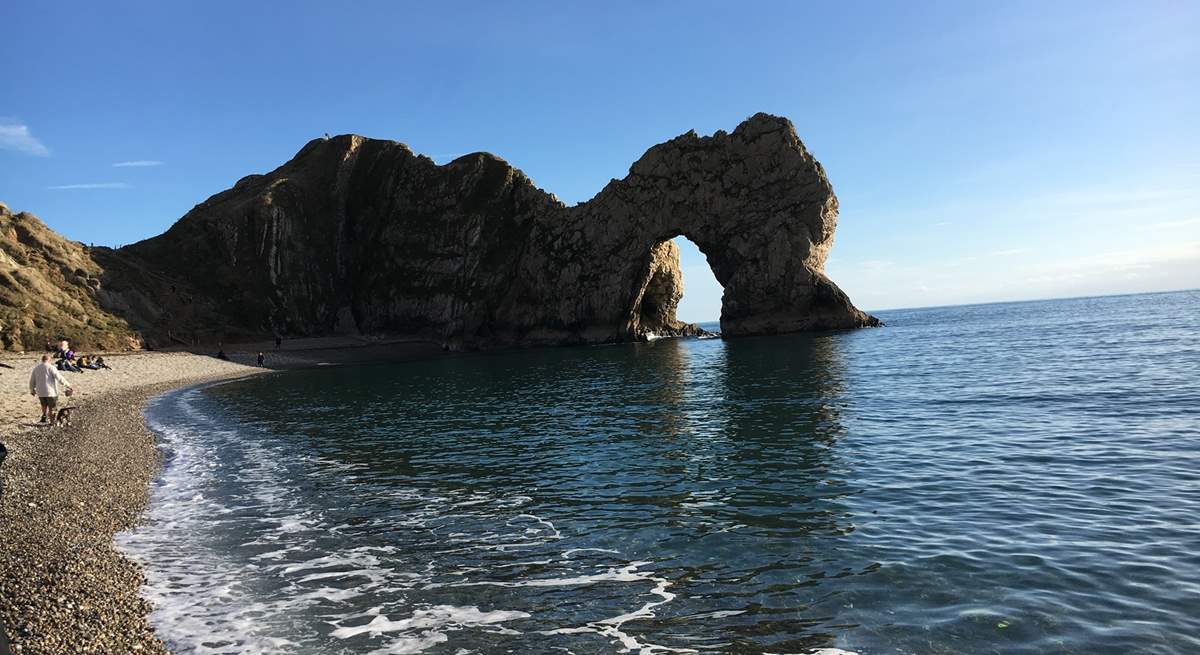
362,236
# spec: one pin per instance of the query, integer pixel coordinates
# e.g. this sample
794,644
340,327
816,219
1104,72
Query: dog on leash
62,417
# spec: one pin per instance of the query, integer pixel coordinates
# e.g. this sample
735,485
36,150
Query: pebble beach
67,490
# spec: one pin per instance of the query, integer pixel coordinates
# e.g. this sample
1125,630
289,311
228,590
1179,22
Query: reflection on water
967,480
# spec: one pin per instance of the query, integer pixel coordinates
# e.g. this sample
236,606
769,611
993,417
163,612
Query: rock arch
357,235
754,201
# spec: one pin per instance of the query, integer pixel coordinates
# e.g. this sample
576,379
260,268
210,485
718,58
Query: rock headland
358,236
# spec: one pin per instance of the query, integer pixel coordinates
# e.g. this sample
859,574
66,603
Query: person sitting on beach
43,383
67,362
94,363
99,364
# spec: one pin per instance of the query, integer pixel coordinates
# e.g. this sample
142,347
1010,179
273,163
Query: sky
980,151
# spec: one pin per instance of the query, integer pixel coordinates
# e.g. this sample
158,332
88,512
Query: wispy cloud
1165,225
1094,206
1007,253
1151,267
1129,259
138,163
93,185
15,135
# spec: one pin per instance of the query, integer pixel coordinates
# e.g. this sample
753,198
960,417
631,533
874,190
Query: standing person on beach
43,383
261,358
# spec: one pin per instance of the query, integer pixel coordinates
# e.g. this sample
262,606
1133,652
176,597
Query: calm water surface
1017,478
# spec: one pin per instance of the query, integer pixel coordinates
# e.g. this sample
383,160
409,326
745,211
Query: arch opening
703,293
659,292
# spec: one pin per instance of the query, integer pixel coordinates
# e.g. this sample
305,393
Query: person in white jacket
43,383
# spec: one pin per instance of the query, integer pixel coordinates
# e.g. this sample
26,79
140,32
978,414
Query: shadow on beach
320,351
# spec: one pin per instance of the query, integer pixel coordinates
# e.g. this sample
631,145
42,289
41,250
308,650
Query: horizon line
1041,299
1009,302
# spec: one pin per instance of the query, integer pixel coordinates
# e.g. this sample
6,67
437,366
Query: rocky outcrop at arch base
357,235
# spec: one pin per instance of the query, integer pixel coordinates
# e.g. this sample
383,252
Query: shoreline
68,491
64,587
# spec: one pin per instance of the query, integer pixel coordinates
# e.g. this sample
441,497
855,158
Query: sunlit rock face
754,201
52,288
362,236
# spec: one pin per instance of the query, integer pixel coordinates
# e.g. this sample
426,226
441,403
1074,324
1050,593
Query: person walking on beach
43,383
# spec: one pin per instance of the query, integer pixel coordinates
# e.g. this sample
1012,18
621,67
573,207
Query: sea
1002,478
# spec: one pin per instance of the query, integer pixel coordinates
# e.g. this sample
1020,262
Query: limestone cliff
757,204
357,235
364,236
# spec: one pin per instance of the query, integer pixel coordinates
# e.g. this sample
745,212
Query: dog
62,417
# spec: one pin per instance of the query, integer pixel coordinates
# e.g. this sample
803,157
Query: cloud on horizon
1138,269
15,135
1166,225
93,185
137,163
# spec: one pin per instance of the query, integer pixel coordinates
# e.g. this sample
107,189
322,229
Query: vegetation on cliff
52,287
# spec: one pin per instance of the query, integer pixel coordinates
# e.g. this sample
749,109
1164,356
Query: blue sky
981,151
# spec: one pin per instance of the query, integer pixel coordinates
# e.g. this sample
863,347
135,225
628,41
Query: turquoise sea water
1012,478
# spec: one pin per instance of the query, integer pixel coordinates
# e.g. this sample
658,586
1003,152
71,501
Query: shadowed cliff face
352,236
358,235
